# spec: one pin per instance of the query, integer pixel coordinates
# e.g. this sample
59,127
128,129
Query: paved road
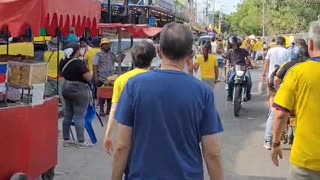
243,153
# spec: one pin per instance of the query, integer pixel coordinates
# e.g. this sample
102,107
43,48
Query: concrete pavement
243,154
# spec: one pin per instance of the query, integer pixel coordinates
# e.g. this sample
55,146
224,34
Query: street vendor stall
80,14
29,128
123,30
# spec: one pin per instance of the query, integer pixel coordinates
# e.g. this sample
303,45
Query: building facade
152,12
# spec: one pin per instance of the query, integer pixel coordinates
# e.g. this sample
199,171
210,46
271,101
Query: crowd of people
292,75
148,103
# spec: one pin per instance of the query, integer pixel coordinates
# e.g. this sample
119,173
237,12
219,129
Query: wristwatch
275,145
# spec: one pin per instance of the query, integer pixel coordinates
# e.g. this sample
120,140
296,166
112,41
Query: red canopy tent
81,14
136,30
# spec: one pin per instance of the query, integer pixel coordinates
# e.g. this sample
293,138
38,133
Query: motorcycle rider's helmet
233,40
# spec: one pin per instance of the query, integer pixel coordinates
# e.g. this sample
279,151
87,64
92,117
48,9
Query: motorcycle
240,87
287,135
292,125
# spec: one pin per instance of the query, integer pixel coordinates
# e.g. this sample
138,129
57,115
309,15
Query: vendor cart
30,139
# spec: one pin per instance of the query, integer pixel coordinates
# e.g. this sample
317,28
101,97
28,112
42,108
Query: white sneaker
267,145
84,145
68,143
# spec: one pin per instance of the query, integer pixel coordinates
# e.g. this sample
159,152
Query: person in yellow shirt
300,92
209,67
258,48
142,56
51,57
91,53
244,44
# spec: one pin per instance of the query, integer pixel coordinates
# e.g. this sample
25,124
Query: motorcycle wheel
291,136
237,100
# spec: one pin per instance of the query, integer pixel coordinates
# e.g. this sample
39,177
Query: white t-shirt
83,51
214,47
277,56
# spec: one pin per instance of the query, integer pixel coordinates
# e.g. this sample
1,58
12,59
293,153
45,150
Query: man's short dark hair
176,41
142,54
273,40
281,41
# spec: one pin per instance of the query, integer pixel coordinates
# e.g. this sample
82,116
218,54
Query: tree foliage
281,16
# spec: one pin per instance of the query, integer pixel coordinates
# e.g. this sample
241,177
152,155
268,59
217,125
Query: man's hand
275,153
108,145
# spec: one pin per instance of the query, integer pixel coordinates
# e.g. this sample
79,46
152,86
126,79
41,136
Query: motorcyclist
238,56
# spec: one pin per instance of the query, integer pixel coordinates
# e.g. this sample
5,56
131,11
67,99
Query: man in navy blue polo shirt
164,115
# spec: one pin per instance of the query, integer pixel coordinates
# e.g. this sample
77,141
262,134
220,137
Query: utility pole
204,19
196,11
207,12
263,18
214,11
109,12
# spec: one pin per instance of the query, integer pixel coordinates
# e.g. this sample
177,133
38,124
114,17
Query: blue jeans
269,126
231,83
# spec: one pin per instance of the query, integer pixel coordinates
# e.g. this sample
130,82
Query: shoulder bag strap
50,56
65,66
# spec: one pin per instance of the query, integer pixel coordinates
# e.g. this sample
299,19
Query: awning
17,14
81,14
136,30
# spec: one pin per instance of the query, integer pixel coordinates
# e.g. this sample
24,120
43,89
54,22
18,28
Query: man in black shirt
238,56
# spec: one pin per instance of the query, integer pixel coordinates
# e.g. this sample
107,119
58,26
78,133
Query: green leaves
281,16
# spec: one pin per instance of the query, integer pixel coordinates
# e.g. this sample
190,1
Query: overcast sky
227,6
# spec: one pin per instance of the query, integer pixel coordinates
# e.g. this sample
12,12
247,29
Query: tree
281,16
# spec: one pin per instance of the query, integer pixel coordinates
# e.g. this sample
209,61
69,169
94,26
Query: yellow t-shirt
52,58
89,57
208,68
121,82
244,44
258,46
271,45
300,91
